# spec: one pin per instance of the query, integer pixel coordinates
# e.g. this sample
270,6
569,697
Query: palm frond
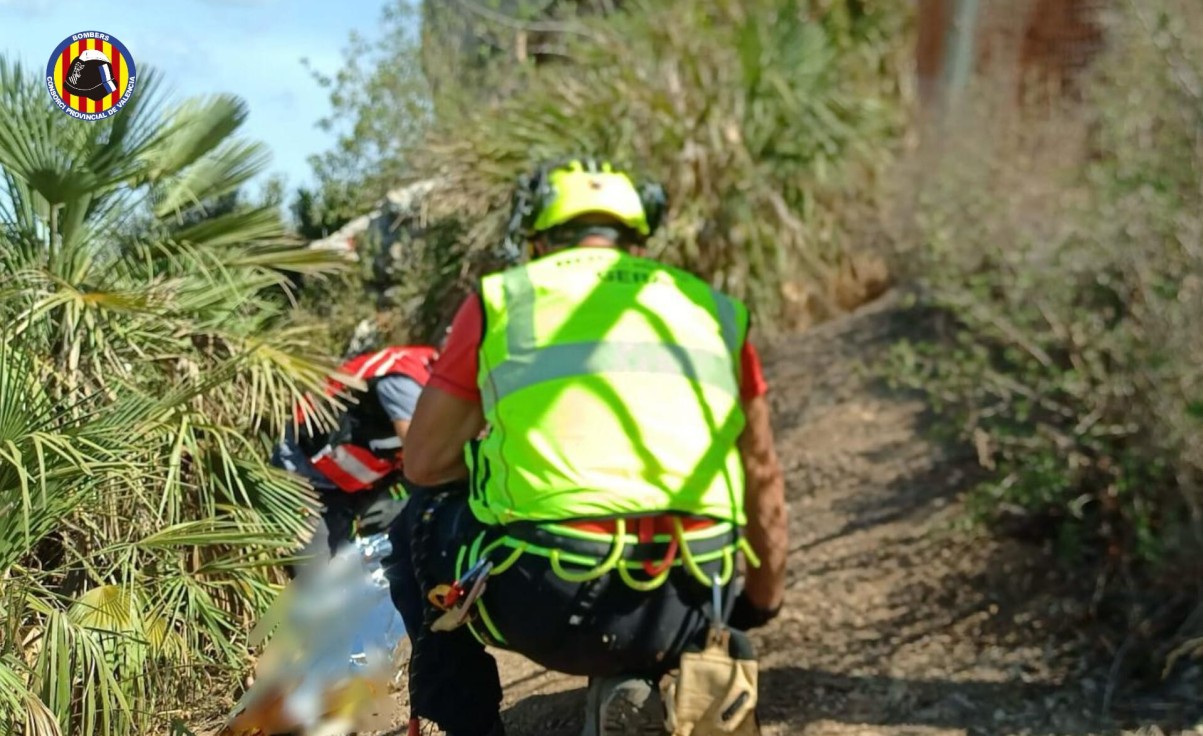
143,364
292,258
234,229
22,711
194,128
220,172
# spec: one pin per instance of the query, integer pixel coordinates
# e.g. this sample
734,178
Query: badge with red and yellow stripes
91,75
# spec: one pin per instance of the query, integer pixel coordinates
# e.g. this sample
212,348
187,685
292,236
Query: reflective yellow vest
610,385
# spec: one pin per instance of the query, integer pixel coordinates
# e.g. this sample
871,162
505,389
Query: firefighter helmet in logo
91,75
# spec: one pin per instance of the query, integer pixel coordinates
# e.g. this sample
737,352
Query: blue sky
251,48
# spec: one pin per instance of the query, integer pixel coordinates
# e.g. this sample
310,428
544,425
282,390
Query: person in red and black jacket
356,467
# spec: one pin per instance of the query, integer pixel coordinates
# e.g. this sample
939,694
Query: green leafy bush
145,360
768,122
1069,254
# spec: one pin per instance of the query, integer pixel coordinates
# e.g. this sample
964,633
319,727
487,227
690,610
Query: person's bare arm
435,438
401,427
768,517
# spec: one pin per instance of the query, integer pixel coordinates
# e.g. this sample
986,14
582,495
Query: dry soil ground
895,623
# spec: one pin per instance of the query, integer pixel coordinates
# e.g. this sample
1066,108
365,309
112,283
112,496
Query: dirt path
894,623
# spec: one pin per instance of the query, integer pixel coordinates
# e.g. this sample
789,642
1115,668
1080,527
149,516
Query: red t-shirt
455,370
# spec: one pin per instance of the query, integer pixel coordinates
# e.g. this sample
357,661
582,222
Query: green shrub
768,121
1069,253
145,361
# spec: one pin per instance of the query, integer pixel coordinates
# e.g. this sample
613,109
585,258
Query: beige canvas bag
713,693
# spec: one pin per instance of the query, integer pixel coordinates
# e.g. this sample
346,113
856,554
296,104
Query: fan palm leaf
145,366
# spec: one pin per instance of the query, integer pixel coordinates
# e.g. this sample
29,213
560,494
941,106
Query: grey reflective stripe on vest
528,366
727,320
591,358
519,311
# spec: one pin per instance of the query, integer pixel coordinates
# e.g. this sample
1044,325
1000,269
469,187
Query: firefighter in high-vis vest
355,466
617,465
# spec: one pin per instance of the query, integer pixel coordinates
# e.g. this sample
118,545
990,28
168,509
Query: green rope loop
509,561
691,563
620,542
644,586
746,547
687,554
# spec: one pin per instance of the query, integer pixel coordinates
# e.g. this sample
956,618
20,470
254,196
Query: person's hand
380,514
746,615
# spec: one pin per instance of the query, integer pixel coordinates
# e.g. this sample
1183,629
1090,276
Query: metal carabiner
716,603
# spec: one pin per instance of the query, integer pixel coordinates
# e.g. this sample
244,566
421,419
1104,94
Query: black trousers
597,628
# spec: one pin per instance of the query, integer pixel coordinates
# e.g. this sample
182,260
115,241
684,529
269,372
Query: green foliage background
1067,250
154,337
769,122
146,359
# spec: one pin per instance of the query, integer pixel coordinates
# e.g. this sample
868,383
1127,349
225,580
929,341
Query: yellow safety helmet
559,192
585,187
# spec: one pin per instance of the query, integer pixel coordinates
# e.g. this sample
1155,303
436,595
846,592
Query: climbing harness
582,552
643,551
